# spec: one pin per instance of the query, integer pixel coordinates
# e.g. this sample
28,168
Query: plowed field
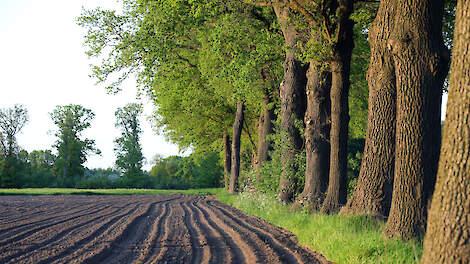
139,229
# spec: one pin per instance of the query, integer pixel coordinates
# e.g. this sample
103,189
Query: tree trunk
237,131
373,192
447,238
421,63
265,128
227,160
317,129
340,68
293,104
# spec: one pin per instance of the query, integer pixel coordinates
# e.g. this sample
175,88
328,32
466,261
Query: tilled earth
139,229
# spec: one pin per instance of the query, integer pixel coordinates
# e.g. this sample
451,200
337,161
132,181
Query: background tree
129,157
72,151
12,120
447,237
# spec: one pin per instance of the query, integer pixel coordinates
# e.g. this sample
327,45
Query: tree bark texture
447,238
340,69
421,63
237,131
317,130
373,193
227,159
293,105
265,128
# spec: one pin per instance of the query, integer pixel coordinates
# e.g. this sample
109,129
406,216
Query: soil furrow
140,229
265,252
64,214
219,249
199,243
98,249
242,251
126,246
163,243
56,239
34,230
98,231
281,240
45,213
286,255
178,242
155,233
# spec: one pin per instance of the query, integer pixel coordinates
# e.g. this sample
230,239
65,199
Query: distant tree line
64,165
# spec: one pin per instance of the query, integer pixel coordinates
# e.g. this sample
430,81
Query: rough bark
265,128
317,129
373,192
340,69
447,238
227,159
293,104
421,60
237,131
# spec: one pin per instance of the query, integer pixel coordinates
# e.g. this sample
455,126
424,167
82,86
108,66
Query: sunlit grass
341,239
64,191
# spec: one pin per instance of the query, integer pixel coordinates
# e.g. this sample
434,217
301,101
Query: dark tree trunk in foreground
447,238
421,63
227,159
340,68
317,130
293,104
237,131
373,193
265,128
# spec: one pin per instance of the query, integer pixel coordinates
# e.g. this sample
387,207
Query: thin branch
247,130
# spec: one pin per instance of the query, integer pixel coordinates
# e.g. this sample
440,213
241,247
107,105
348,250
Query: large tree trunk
340,68
447,238
317,130
237,131
293,104
373,192
421,62
227,160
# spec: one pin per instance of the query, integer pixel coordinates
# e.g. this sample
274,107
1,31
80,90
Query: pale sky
43,64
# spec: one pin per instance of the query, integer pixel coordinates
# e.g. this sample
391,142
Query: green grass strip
341,239
67,191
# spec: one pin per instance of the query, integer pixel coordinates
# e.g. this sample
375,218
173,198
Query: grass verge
341,239
65,191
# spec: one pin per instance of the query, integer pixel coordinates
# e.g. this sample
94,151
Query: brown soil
139,229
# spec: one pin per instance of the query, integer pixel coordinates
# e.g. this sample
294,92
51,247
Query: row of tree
269,81
66,167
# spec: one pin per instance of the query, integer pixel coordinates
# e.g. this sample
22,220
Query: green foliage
341,239
355,150
12,120
72,151
129,157
359,90
190,59
199,170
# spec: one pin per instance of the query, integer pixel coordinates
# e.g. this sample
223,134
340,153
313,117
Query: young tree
72,151
127,147
12,120
447,237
